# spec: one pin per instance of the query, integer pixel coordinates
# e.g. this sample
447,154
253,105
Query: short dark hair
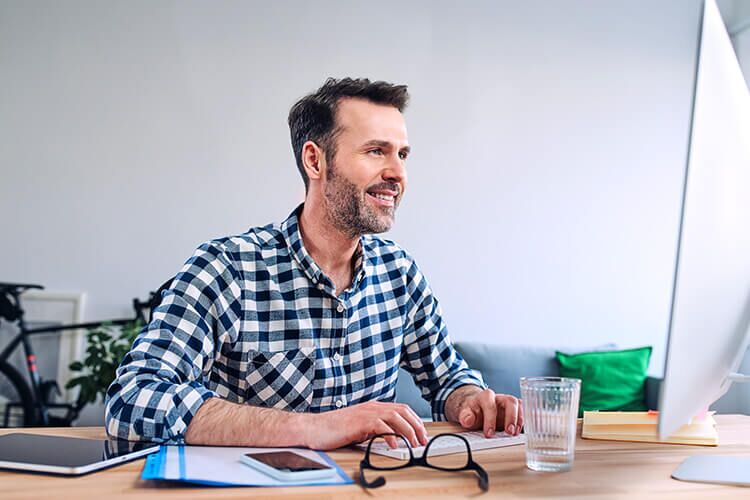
313,118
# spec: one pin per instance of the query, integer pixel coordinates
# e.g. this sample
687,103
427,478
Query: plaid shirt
253,319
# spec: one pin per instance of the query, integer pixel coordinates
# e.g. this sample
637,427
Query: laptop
66,455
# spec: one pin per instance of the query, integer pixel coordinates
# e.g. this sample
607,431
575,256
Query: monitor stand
721,469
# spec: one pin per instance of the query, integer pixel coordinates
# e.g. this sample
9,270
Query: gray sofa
502,366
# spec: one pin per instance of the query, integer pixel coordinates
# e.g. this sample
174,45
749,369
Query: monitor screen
710,316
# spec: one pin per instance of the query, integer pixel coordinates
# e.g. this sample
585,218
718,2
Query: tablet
66,455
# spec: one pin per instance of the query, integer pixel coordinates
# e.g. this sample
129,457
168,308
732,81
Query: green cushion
610,380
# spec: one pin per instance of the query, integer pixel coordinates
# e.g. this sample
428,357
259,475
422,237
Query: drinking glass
550,421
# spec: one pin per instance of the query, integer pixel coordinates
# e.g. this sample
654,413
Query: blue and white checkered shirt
253,319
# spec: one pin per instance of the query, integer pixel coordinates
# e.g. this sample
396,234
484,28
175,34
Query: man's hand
474,409
337,428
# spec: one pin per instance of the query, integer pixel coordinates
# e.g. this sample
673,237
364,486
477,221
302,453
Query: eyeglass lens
383,462
457,459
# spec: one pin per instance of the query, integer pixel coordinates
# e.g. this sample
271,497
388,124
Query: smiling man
292,334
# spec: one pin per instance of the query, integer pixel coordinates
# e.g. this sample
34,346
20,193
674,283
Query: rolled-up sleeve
159,385
437,368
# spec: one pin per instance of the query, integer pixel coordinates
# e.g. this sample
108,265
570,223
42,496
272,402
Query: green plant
107,345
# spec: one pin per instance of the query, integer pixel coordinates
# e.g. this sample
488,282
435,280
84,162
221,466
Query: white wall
549,147
736,14
741,43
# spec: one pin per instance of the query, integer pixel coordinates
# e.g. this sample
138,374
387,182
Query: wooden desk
602,470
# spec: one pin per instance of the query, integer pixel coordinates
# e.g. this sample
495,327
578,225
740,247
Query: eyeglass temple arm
484,480
376,483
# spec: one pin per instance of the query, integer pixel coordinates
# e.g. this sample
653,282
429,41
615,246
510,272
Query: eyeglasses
375,462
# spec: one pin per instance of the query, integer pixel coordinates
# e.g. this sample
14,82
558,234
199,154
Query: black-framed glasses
430,458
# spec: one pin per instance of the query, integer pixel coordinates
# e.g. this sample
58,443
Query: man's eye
376,152
403,155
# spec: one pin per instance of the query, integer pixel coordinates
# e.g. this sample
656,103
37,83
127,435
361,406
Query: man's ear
313,159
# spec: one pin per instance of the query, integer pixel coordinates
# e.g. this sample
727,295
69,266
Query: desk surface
602,469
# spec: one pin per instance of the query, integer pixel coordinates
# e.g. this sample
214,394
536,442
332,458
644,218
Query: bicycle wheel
16,400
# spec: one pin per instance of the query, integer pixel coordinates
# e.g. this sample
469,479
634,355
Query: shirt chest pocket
282,380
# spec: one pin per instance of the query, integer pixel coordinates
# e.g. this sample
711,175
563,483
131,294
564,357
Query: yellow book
640,426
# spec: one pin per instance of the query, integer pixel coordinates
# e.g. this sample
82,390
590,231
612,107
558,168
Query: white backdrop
549,144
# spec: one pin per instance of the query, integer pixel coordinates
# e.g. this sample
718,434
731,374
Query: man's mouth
383,198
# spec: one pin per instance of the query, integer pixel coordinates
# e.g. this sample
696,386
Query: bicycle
28,404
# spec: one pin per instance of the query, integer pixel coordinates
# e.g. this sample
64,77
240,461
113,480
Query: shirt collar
290,230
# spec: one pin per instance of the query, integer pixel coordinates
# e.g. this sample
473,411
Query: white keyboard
446,445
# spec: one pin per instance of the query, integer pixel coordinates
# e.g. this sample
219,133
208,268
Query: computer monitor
710,316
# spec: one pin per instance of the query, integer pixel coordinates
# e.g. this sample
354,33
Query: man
292,334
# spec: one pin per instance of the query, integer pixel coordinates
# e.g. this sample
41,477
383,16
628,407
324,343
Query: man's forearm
456,399
222,423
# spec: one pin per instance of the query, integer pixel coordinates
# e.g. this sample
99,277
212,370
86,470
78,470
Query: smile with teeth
383,200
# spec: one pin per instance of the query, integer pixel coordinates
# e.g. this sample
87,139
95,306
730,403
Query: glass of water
550,406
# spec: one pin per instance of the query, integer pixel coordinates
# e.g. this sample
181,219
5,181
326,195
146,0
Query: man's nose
396,170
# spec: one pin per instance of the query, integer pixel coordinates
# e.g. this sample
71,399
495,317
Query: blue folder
221,466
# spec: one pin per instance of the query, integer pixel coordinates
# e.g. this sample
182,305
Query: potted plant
107,346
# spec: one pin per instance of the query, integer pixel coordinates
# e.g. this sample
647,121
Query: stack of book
640,426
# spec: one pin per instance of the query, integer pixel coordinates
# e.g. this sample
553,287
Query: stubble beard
348,210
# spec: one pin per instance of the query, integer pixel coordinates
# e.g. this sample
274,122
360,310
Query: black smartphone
287,465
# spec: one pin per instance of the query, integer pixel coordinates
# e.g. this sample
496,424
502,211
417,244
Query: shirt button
336,357
340,308
339,403
320,286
